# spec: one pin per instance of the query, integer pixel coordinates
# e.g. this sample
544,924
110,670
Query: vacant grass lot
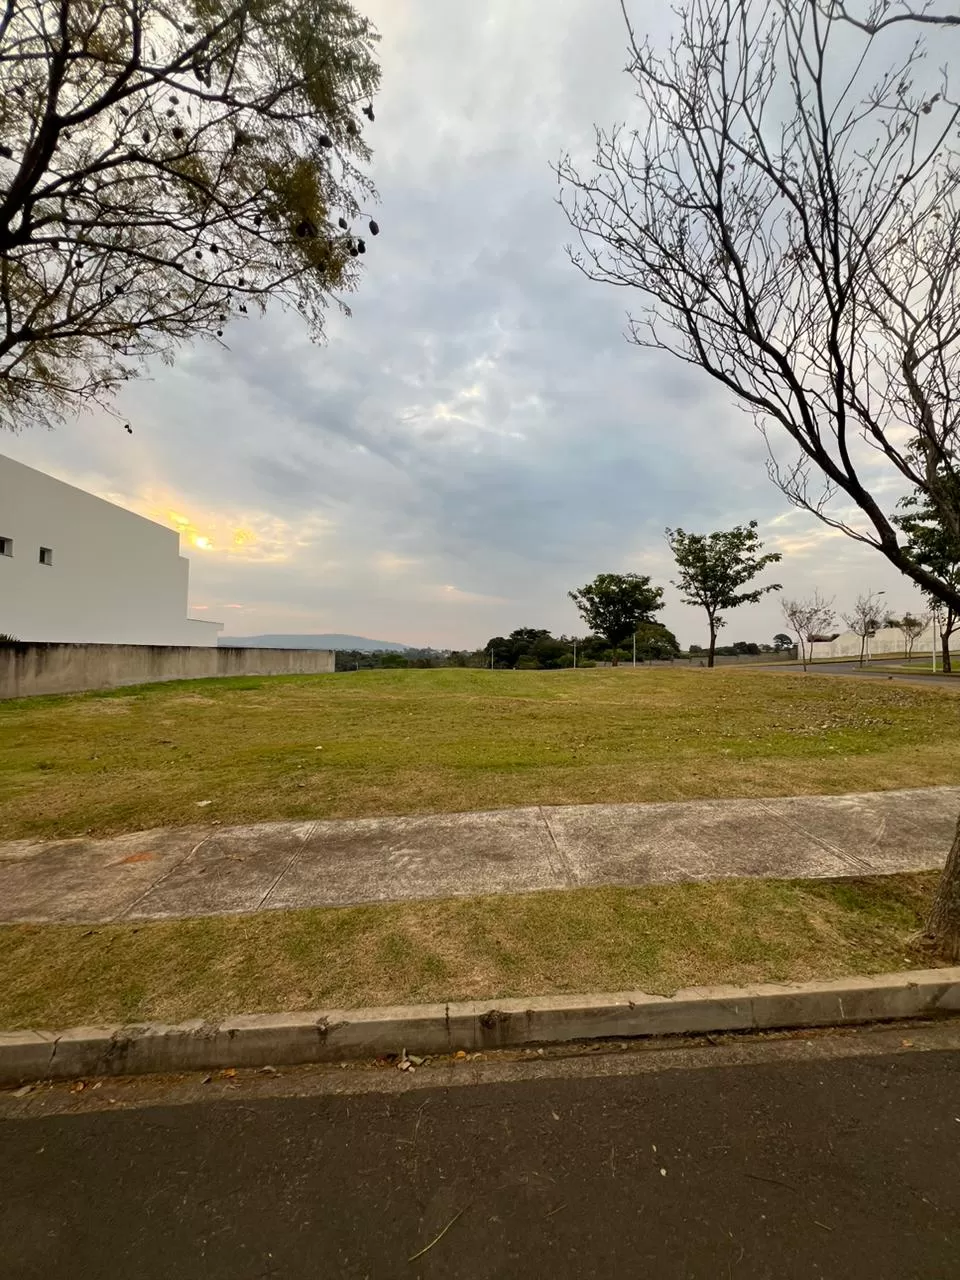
382,742
655,938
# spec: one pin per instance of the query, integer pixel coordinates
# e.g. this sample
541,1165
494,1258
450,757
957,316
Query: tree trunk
943,922
713,643
863,645
945,649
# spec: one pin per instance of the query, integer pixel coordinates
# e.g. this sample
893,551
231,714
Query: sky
478,437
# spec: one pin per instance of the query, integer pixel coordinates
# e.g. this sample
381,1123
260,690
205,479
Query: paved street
791,1162
196,871
918,671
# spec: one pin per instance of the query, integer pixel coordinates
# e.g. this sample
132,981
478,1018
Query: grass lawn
914,668
395,742
656,938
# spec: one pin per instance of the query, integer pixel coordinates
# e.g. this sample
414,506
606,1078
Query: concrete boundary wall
28,669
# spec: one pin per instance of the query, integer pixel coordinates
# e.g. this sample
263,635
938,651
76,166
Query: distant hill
311,642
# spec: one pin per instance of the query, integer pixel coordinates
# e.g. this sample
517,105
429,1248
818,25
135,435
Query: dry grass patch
396,742
656,938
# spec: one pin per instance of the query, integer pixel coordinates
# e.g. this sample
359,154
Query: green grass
914,668
396,742
655,938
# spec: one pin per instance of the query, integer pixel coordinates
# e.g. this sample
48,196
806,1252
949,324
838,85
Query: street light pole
879,593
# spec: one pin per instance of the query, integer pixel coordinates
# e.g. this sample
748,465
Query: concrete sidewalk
154,875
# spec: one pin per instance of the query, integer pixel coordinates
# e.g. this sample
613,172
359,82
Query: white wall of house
885,641
112,577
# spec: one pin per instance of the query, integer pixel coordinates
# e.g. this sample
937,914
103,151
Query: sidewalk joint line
289,863
850,858
156,884
566,866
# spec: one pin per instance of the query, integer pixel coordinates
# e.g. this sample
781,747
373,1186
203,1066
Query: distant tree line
536,649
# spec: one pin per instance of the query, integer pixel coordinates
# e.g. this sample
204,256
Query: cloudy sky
478,437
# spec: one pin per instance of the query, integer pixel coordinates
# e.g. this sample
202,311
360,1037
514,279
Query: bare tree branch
790,212
879,16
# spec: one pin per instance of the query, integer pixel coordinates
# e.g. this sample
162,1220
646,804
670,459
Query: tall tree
614,604
789,205
164,167
781,643
713,568
793,221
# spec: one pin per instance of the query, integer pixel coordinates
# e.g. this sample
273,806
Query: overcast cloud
478,437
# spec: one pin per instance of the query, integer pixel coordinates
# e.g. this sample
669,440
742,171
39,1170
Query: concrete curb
291,1038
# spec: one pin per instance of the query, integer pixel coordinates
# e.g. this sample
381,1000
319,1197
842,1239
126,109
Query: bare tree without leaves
864,619
791,215
808,618
911,628
164,165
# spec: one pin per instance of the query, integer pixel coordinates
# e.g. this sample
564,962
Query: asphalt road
917,674
814,1168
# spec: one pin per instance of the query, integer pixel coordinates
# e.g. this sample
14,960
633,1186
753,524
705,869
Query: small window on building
46,555
6,546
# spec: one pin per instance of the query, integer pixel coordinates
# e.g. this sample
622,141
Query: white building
78,569
886,640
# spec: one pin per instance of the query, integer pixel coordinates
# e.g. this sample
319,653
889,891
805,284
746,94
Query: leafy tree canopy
714,567
655,642
165,165
614,604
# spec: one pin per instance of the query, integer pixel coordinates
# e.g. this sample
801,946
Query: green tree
614,604
394,660
655,643
523,642
164,167
781,642
932,545
713,567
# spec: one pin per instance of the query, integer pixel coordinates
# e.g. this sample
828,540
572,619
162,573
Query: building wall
29,669
115,577
887,640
